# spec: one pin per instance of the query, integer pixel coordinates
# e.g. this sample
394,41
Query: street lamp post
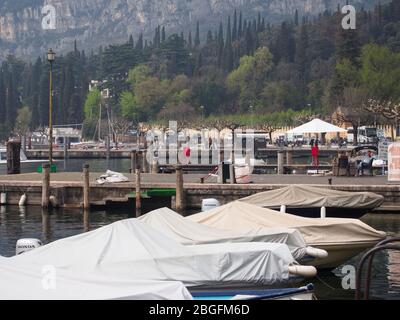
252,117
50,58
202,112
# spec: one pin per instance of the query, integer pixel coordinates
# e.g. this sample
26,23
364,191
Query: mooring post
86,187
180,196
154,166
289,157
280,162
108,148
232,176
46,225
138,203
86,221
134,161
13,157
45,185
144,162
65,147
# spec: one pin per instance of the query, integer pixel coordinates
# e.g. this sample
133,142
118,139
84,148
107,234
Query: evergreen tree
235,27
197,37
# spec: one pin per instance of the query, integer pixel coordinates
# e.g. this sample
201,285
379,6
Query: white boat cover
133,248
112,177
303,196
317,232
188,232
23,281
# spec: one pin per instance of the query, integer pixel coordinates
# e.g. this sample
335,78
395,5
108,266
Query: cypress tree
234,29
209,37
197,37
240,27
139,44
163,36
190,43
228,47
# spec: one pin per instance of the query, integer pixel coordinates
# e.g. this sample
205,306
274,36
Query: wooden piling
86,220
134,161
13,157
154,166
45,185
86,187
232,176
66,142
108,148
138,203
46,225
145,168
180,196
289,157
280,161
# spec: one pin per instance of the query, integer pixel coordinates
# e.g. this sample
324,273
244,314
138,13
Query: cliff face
100,22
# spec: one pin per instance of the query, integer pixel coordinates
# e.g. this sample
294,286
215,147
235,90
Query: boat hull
303,293
331,212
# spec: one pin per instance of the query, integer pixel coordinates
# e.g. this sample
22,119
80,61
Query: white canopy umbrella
316,126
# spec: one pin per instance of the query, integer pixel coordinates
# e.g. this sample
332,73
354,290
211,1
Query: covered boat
307,201
25,281
341,238
133,248
188,232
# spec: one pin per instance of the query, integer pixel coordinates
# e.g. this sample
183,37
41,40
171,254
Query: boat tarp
239,215
188,232
303,196
135,249
24,281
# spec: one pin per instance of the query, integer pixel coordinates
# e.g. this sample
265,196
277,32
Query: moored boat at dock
341,238
131,247
307,201
188,232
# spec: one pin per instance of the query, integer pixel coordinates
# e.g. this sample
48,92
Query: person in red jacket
314,153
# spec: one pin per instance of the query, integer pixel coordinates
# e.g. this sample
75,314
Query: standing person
186,152
315,152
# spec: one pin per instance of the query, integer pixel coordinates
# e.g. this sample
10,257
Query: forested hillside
302,63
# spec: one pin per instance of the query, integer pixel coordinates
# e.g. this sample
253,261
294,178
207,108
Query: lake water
33,223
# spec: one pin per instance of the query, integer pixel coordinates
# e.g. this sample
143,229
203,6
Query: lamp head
51,56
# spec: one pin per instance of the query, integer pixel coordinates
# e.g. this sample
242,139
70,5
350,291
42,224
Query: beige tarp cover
133,249
189,232
302,196
329,231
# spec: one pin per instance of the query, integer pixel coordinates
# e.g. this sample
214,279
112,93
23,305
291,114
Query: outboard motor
25,245
209,204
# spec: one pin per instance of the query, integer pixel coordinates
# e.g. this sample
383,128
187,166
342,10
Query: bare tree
388,109
352,109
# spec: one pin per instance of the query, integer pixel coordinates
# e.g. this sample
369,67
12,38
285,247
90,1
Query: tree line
243,66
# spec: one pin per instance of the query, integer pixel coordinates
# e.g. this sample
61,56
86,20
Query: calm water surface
16,224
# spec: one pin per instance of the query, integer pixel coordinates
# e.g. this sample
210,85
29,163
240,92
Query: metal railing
386,244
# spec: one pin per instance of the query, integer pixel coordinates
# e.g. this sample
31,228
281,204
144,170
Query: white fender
323,212
303,271
316,253
283,208
3,198
54,202
22,200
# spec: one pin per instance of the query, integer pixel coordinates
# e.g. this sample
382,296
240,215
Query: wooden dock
68,188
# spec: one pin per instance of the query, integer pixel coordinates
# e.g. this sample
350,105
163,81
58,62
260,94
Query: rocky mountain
101,22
